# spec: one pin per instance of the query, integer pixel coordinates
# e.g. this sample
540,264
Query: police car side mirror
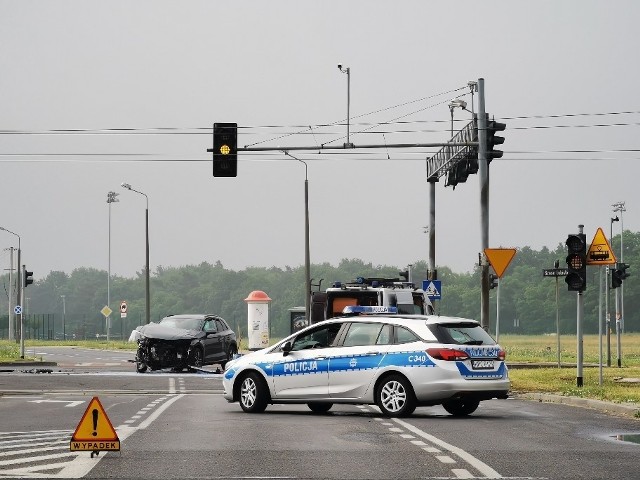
286,348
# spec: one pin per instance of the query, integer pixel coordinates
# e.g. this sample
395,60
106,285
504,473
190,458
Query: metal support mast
483,173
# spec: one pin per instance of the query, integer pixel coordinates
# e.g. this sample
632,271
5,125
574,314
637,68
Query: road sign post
499,258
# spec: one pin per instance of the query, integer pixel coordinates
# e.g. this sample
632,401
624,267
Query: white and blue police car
373,356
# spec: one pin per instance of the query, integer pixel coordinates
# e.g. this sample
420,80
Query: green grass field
616,385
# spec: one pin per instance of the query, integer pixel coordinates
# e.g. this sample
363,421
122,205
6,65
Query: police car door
354,366
304,371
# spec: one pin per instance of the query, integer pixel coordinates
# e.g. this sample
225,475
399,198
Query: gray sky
183,65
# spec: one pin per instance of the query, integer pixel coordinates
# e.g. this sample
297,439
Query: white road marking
482,467
19,449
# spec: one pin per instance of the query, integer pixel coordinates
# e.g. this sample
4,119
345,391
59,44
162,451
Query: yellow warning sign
500,258
95,432
600,252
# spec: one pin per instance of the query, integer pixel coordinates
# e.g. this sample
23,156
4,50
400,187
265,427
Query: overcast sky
169,69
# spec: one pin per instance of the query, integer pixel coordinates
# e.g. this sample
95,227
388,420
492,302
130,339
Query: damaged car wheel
197,358
230,354
141,367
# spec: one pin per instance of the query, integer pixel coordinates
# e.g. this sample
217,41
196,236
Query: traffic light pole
579,322
22,277
432,273
483,174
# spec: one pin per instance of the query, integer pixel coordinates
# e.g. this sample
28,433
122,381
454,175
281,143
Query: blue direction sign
432,289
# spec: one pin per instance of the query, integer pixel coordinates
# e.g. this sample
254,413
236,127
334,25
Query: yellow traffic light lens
575,262
225,150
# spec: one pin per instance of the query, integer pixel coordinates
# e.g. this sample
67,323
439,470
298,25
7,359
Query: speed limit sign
123,309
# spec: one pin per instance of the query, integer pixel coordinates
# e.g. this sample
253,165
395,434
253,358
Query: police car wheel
461,407
253,394
395,397
319,407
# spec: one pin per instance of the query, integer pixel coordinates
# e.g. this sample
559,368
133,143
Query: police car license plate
482,364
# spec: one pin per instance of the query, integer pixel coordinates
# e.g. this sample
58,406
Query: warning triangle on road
600,252
95,432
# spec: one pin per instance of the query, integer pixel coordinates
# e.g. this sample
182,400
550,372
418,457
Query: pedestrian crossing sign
432,289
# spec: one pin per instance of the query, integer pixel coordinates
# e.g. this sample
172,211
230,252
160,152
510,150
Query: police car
373,356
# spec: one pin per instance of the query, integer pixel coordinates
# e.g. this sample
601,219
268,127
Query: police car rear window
463,333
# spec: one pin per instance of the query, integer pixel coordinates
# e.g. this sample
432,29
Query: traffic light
27,276
404,275
225,149
458,173
493,281
619,274
493,139
576,262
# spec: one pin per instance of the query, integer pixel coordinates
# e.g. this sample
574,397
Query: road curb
28,364
607,407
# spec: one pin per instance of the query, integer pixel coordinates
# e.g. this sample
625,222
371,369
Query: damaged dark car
180,342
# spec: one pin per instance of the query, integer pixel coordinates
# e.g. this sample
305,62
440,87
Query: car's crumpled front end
163,347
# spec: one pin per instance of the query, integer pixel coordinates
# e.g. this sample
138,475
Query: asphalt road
177,425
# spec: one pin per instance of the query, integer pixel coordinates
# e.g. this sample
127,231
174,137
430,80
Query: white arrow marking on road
70,403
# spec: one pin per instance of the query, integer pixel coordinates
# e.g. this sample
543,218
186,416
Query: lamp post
620,207
147,299
10,317
64,317
111,198
18,293
307,261
347,70
608,290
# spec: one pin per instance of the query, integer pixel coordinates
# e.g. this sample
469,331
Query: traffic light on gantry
576,262
225,149
27,277
493,139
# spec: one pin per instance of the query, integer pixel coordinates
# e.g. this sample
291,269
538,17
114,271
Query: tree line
527,300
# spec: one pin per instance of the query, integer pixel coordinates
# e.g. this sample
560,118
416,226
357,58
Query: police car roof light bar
365,309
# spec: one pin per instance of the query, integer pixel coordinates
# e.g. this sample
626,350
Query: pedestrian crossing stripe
94,432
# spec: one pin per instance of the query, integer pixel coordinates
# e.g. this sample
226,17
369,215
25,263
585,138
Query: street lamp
347,70
620,207
128,187
111,198
307,261
18,293
608,289
64,317
452,105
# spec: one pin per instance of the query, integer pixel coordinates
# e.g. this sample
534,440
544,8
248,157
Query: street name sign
555,272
